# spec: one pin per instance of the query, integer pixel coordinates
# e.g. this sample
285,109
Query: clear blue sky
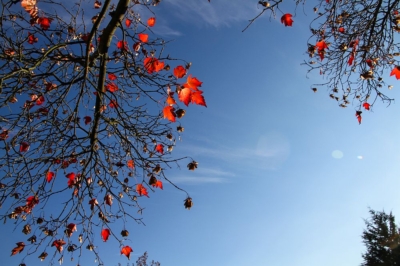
285,176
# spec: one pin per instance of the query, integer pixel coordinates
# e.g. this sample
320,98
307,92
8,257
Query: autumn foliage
89,117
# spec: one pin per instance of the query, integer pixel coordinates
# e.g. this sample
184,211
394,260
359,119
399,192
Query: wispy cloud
270,152
204,175
217,13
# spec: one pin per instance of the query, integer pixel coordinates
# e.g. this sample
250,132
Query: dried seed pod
180,129
27,229
193,165
32,239
153,180
43,256
124,233
180,113
188,203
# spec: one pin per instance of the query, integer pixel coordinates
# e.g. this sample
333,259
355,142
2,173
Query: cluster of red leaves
141,190
152,65
321,46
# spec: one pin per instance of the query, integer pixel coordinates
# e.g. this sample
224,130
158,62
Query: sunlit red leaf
128,22
126,250
18,249
151,21
49,176
44,22
32,39
169,113
158,184
366,106
170,100
97,4
160,148
105,233
358,115
108,199
141,190
112,87
179,72
184,95
112,76
92,203
143,37
122,45
71,179
192,83
396,72
87,120
130,164
287,19
197,98
153,65
59,244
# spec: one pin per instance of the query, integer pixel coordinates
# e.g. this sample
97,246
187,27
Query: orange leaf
128,22
141,190
126,251
130,164
151,21
160,148
18,249
192,83
197,98
287,20
170,100
105,233
396,72
184,95
179,72
143,37
49,176
169,113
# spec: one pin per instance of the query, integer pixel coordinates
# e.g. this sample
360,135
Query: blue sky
285,176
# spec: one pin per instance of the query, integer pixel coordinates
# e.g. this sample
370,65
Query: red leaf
151,21
143,37
358,115
18,249
136,46
287,20
49,176
32,201
71,179
130,164
113,104
92,203
126,251
179,72
122,45
396,72
192,83
197,98
169,113
24,147
105,233
112,76
160,148
152,65
128,22
158,184
31,38
112,87
141,190
108,199
70,229
321,45
87,119
366,106
184,95
341,30
4,135
40,100
97,4
351,59
58,244
44,23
